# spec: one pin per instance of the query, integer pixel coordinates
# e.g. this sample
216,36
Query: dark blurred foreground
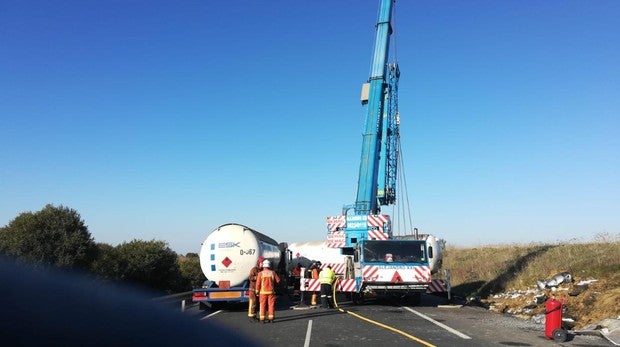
52,307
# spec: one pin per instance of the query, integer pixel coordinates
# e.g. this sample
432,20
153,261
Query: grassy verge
487,270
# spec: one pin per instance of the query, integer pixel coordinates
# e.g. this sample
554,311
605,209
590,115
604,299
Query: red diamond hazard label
226,262
396,278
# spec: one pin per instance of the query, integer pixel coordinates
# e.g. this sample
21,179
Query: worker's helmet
266,263
260,260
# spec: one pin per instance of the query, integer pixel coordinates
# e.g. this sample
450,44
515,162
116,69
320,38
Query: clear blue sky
162,120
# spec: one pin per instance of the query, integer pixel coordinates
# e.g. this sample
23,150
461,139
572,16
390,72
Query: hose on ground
420,341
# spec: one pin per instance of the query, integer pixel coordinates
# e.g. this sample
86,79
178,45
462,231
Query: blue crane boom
366,202
378,164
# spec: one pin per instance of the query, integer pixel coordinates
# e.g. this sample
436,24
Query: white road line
212,314
307,342
454,331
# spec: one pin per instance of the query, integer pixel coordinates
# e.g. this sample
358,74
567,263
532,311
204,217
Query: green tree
52,236
191,271
105,264
149,263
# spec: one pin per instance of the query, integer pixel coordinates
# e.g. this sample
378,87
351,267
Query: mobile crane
377,261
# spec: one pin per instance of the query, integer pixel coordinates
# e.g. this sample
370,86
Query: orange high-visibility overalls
252,303
265,287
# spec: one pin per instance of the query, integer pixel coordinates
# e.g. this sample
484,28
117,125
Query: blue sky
162,120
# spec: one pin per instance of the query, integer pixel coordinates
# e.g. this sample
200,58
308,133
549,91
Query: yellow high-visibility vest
327,276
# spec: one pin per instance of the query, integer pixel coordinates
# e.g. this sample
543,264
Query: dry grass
483,271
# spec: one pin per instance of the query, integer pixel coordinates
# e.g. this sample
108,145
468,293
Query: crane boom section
366,202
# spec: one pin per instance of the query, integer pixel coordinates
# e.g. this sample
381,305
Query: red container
553,317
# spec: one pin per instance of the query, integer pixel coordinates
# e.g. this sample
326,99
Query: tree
191,271
52,236
149,263
105,264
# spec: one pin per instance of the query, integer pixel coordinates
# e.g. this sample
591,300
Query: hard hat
266,263
260,260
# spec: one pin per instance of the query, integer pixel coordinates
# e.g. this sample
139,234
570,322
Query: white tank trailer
226,257
306,253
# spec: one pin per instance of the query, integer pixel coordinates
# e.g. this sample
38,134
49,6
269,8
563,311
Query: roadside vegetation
56,236
482,274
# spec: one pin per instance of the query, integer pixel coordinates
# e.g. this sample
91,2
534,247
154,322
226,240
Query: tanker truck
226,257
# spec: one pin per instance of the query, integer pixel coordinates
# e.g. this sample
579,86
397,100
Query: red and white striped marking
370,273
422,273
377,235
437,286
417,274
338,268
312,285
378,221
346,286
335,222
336,239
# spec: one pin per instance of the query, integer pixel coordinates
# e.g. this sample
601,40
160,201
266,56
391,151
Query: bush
190,271
149,263
54,236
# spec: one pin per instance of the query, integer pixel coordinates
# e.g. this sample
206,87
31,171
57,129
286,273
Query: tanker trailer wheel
560,335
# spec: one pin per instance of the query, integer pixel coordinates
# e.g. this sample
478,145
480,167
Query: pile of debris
530,303
586,302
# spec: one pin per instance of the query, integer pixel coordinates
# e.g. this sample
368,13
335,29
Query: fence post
448,285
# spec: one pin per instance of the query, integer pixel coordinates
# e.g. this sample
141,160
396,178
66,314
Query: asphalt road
388,324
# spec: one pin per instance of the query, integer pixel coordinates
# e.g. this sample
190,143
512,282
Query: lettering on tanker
250,251
228,244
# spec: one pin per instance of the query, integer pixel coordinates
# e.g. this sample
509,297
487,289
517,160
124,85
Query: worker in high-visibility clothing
265,288
327,278
314,274
252,292
296,278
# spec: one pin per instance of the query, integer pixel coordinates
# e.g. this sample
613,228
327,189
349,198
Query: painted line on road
212,314
420,341
454,331
307,341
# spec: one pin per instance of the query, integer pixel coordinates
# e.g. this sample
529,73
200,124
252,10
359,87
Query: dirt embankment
514,279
